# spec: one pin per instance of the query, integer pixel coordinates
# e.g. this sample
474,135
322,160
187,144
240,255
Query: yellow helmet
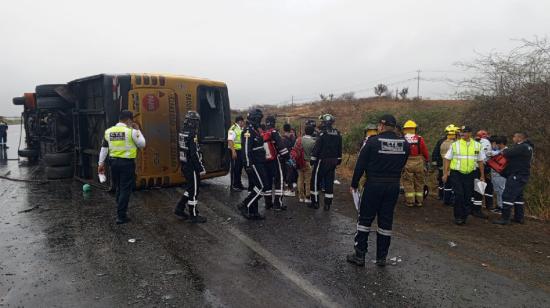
410,124
451,128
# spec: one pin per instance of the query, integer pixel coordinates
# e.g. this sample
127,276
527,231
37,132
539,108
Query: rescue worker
459,168
276,156
254,163
483,137
3,134
191,167
382,159
413,175
313,124
452,132
326,155
234,144
517,171
438,163
370,130
121,143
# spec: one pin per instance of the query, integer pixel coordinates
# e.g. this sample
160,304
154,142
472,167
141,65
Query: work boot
277,207
198,219
380,262
328,203
356,258
122,220
180,211
479,214
409,204
419,204
460,222
245,211
504,217
268,202
255,214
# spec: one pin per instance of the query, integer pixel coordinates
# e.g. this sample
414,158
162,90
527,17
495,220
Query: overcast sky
266,51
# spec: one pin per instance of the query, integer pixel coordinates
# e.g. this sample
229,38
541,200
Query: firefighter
459,168
326,155
234,144
382,159
451,132
482,137
413,176
438,163
276,156
517,171
121,143
254,162
191,167
370,130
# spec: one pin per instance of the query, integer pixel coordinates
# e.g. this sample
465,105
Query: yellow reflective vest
238,132
121,143
465,156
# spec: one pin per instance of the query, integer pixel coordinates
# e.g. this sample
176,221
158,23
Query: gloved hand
311,163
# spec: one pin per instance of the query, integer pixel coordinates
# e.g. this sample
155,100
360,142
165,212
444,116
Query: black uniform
192,169
382,159
254,162
325,156
3,134
274,169
517,174
436,157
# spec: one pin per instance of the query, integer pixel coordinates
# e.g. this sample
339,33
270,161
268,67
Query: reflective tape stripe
314,192
257,148
519,203
420,193
361,228
313,158
489,195
186,194
330,196
507,203
384,232
448,189
192,202
409,194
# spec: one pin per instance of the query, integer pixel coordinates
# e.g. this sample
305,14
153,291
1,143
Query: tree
404,92
380,89
348,96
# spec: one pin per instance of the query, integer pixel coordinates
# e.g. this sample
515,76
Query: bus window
211,109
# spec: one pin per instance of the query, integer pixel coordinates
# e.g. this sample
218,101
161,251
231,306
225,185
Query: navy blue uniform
382,159
517,175
192,169
436,157
254,163
325,156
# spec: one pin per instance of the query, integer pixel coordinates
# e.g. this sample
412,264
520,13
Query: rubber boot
518,214
328,203
255,214
357,258
268,202
195,217
180,209
245,211
476,212
277,205
504,218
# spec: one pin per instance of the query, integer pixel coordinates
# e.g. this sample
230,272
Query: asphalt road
61,248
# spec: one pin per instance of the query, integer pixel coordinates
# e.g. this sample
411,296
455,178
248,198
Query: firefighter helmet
192,119
270,121
254,117
327,119
482,134
410,124
451,128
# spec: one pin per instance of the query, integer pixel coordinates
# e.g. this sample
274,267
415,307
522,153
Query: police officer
234,143
276,156
191,167
120,143
517,171
382,159
326,155
254,162
459,167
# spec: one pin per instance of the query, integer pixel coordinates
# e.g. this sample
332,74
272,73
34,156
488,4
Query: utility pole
397,94
418,85
292,101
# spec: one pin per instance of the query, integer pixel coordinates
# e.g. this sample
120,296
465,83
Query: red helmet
482,134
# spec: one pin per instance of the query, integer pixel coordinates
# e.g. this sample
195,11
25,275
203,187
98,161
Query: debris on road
132,240
174,272
452,244
484,264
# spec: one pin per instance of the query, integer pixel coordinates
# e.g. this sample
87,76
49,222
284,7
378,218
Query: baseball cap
388,120
466,128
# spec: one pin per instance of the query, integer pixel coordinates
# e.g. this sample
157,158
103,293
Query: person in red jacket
276,156
413,174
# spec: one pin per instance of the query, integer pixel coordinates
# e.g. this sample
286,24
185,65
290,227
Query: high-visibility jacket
465,157
121,143
238,132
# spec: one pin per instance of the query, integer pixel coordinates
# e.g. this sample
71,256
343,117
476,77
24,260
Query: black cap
125,115
239,118
466,128
388,120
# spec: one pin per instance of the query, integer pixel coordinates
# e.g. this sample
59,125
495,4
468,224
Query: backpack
297,153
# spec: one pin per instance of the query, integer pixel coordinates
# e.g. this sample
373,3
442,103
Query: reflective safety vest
238,132
121,143
465,156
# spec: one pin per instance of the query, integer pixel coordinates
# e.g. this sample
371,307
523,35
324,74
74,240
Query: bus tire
28,153
58,159
52,103
47,90
62,172
18,101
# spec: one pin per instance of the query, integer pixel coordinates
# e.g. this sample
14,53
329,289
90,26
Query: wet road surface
60,247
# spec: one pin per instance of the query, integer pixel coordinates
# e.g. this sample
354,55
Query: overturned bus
159,103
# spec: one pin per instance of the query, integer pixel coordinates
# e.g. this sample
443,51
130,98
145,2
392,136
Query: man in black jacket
325,156
517,174
437,161
254,163
191,167
382,159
